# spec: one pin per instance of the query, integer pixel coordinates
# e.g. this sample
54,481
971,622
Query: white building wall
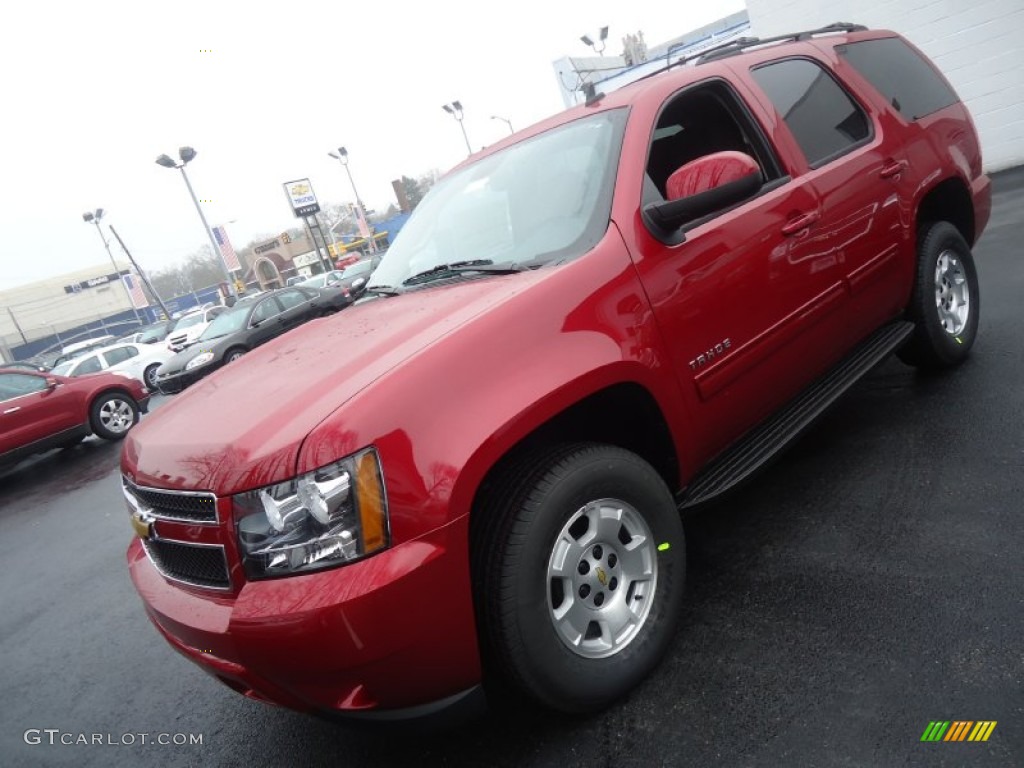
979,46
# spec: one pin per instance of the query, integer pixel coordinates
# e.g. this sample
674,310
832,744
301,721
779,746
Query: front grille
175,505
200,566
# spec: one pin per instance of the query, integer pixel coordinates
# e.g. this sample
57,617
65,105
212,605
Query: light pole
600,41
505,120
187,154
93,217
342,157
455,110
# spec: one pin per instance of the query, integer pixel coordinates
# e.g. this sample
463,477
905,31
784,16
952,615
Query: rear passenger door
854,165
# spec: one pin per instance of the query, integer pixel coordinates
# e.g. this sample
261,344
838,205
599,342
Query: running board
759,445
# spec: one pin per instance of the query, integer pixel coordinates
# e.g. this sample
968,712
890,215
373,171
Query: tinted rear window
824,120
901,75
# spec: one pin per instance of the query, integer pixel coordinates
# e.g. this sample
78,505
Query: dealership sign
300,195
94,282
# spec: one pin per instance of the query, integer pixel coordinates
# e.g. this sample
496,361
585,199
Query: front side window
823,118
14,385
543,200
265,310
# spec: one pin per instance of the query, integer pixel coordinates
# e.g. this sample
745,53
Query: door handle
893,168
12,410
800,223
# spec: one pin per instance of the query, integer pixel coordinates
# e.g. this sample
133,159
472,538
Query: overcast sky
93,91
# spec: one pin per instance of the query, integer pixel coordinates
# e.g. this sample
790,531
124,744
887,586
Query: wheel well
949,201
625,415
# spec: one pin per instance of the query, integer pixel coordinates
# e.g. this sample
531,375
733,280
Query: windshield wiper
382,290
441,271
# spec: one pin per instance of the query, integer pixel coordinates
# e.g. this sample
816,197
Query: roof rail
740,44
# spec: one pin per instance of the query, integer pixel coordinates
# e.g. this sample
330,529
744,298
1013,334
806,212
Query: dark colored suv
477,471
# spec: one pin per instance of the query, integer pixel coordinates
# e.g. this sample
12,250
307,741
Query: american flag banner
134,286
230,257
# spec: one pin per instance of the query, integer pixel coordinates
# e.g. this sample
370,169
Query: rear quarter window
903,76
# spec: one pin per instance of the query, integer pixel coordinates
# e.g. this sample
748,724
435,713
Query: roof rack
732,47
740,44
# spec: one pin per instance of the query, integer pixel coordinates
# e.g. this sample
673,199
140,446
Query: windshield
226,322
315,282
542,200
189,320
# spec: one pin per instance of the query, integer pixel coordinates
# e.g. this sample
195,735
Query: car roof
707,64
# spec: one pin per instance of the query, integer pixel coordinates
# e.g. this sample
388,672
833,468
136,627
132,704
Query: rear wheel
582,566
113,414
945,301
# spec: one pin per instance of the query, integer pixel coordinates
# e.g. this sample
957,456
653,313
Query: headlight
328,517
201,359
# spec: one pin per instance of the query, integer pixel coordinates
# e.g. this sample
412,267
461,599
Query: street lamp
455,110
91,217
187,154
505,120
342,157
600,42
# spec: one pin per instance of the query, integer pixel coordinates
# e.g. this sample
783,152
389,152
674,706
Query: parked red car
40,411
476,472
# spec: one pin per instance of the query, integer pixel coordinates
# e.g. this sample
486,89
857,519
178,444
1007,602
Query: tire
945,301
573,617
233,355
149,377
113,414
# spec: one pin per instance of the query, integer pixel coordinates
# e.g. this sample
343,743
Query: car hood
241,427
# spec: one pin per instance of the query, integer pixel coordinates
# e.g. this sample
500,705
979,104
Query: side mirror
51,383
702,186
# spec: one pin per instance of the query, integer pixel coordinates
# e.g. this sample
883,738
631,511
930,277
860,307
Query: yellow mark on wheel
663,547
959,340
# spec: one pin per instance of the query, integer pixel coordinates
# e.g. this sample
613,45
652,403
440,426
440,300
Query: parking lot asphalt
869,582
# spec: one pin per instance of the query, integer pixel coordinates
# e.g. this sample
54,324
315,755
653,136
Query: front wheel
233,355
945,302
582,569
113,414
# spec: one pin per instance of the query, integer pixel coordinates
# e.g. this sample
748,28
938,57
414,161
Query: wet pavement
869,582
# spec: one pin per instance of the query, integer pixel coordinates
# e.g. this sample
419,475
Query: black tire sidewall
933,346
233,355
548,669
94,415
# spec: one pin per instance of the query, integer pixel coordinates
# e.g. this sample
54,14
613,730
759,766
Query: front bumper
176,382
388,637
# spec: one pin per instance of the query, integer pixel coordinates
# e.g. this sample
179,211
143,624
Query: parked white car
139,361
191,326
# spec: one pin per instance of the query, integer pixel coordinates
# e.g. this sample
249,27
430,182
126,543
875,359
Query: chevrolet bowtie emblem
602,577
143,525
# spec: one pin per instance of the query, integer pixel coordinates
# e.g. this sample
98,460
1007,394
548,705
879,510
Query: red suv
477,471
40,411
